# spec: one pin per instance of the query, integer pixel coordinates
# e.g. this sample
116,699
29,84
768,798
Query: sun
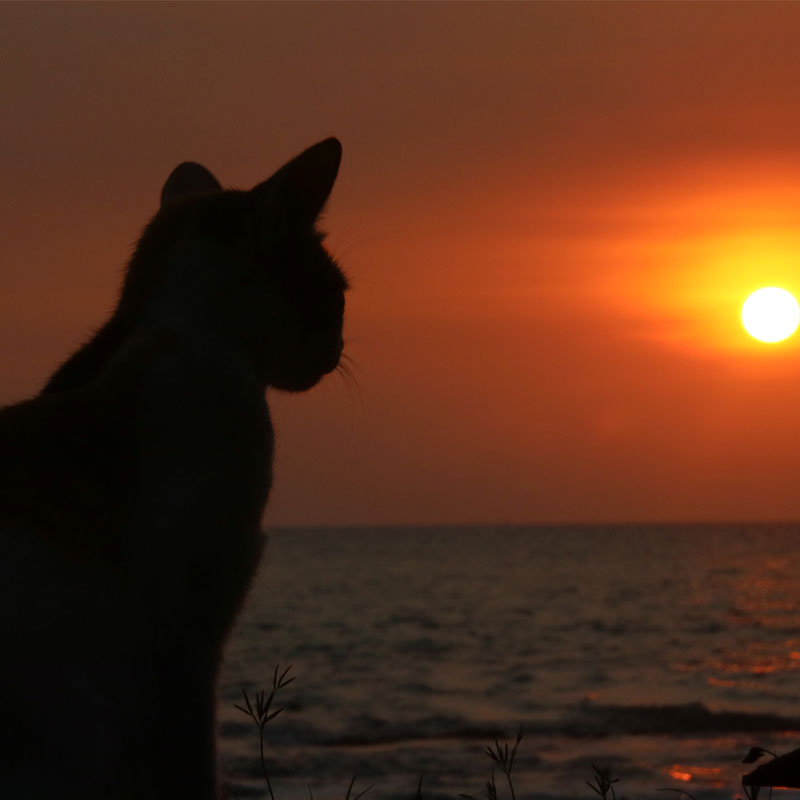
770,314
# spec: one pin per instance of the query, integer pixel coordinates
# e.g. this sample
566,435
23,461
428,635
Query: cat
132,488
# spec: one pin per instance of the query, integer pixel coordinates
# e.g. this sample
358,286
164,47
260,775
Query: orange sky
550,214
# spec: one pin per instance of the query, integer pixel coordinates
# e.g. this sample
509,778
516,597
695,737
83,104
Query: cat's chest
202,440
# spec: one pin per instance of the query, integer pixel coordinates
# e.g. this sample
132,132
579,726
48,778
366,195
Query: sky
550,215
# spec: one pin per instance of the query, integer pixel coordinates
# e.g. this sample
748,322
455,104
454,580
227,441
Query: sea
660,653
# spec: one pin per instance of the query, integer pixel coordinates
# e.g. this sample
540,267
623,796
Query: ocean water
661,652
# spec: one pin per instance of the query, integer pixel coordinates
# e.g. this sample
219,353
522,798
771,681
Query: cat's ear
299,189
188,179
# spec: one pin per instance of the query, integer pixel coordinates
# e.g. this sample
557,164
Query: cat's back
63,489
64,478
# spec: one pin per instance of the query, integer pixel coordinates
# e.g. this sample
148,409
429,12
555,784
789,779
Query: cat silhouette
132,489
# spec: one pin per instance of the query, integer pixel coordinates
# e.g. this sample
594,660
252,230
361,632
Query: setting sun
770,314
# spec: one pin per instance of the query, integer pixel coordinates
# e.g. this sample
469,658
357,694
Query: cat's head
250,264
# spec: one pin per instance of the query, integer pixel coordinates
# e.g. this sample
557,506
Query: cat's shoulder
67,457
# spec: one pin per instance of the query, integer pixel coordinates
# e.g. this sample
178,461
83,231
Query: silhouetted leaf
754,754
362,793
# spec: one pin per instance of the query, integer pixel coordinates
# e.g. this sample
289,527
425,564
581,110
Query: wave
593,719
586,720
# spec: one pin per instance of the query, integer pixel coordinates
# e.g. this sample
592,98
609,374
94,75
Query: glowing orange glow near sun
680,264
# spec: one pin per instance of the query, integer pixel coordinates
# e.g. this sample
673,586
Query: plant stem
511,785
264,763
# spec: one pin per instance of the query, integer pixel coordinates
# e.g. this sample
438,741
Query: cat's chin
303,381
297,384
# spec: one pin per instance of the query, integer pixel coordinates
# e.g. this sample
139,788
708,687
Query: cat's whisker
347,363
342,252
347,358
349,381
345,369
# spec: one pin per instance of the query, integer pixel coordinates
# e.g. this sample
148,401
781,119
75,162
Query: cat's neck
192,284
88,363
